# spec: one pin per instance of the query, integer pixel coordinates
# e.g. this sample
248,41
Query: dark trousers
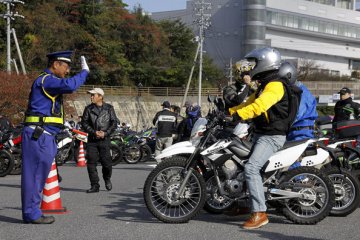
95,151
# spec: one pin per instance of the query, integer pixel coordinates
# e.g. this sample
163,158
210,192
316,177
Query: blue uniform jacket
41,105
306,116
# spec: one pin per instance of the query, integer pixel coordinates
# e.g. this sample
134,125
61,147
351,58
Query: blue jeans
265,146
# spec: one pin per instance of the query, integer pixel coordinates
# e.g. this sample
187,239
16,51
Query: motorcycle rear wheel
6,162
145,153
163,183
309,211
215,203
347,191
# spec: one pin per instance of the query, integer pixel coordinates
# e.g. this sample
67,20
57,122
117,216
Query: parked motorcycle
176,190
10,156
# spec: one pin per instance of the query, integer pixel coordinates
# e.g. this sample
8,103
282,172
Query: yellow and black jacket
268,107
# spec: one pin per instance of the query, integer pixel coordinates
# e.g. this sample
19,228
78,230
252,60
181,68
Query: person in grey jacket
99,121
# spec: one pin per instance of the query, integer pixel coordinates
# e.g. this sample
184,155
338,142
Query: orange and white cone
81,158
51,202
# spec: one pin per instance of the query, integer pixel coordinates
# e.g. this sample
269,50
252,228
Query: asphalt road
121,214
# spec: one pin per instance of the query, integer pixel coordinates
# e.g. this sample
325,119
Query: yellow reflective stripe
48,95
35,119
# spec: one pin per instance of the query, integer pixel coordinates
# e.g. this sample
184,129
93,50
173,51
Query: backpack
294,98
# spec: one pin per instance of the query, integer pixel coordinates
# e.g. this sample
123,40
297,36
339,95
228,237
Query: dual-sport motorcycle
178,188
333,160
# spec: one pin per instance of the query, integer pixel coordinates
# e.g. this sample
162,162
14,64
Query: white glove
84,65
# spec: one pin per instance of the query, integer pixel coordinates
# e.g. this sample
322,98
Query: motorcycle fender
177,151
64,142
317,159
286,157
177,145
334,145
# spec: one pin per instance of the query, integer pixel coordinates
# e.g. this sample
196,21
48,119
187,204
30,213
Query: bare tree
306,68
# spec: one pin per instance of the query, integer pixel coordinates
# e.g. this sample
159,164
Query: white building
327,31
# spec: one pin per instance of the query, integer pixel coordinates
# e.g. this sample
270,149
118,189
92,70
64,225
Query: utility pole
9,15
231,72
204,22
189,80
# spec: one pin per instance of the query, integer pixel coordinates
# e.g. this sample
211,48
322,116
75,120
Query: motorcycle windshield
199,126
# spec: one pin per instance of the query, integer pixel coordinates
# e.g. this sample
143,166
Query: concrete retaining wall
138,112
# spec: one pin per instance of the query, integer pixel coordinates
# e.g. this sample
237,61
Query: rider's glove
236,117
84,65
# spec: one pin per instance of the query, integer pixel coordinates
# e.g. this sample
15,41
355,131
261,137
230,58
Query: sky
157,5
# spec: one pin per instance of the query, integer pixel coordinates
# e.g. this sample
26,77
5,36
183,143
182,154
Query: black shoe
108,185
93,189
59,178
43,220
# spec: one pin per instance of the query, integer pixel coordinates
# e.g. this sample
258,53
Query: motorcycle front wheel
320,194
6,162
17,162
132,153
116,154
162,186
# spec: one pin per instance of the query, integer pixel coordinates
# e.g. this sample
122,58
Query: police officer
44,118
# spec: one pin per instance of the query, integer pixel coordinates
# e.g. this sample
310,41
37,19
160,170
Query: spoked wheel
318,195
347,195
6,163
162,186
116,154
215,203
132,153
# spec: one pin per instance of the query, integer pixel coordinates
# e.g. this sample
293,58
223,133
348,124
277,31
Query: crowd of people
260,94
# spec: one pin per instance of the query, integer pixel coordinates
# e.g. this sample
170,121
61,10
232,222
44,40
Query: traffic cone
81,158
51,202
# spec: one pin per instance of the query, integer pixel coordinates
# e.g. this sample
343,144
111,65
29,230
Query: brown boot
256,220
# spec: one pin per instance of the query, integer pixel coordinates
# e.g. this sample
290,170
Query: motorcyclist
269,109
303,126
236,93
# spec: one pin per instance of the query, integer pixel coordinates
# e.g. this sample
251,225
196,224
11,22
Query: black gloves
235,117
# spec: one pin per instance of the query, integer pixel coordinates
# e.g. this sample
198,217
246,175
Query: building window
355,64
347,4
312,24
335,73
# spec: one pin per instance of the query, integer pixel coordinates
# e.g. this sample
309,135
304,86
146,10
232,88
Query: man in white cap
99,121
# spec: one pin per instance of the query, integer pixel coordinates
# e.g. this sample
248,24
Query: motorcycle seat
293,143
